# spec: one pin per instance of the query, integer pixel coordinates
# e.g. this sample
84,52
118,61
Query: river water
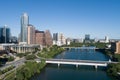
70,72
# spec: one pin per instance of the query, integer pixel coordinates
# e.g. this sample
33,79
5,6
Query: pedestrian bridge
79,62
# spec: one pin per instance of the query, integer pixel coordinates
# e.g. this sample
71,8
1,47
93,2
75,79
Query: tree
30,57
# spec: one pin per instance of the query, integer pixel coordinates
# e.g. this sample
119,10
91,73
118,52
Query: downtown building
30,34
43,38
14,39
48,38
87,38
115,47
24,25
5,34
27,35
40,37
106,40
59,39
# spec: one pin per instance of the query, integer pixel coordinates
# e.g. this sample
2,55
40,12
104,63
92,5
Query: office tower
55,36
96,40
24,25
5,34
48,38
59,39
68,41
115,47
87,37
14,39
106,39
40,37
19,38
31,34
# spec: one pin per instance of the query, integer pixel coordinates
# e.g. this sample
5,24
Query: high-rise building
87,37
96,40
48,38
55,36
106,39
5,34
30,34
14,39
43,38
24,25
40,37
115,47
59,39
68,41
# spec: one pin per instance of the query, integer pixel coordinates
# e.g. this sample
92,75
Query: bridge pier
58,64
96,66
76,65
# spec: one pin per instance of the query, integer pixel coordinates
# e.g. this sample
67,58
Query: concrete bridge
79,62
79,47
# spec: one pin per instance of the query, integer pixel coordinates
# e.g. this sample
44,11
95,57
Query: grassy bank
112,69
97,45
107,52
26,71
50,52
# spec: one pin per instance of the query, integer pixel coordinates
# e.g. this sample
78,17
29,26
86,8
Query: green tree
30,57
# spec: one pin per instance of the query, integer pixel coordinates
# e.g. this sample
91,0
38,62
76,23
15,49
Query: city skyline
73,18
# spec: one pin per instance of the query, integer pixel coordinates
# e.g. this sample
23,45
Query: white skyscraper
24,24
106,39
59,39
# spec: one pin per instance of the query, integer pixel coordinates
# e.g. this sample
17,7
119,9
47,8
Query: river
70,72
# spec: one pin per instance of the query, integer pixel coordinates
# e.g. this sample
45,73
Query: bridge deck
81,47
79,62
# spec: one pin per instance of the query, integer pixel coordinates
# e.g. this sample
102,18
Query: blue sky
74,18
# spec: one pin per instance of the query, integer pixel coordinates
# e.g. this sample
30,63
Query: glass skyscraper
87,37
5,34
24,24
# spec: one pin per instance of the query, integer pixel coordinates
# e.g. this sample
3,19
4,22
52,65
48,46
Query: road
17,63
14,63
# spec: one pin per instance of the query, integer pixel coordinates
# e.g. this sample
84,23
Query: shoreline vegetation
112,70
30,68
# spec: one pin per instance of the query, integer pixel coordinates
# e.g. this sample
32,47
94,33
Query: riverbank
112,69
107,52
50,52
32,67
